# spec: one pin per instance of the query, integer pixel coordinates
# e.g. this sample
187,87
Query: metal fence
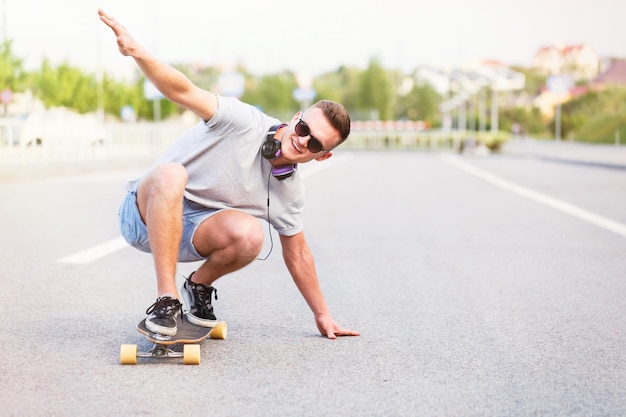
121,142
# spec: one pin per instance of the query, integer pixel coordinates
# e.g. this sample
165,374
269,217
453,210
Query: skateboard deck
187,334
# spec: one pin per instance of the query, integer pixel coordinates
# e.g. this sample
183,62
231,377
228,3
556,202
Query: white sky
311,36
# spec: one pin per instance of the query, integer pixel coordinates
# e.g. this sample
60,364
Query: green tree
341,86
529,120
375,91
585,109
273,94
116,95
12,75
535,80
421,103
66,86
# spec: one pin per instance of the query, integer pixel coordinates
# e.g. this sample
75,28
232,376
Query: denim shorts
135,231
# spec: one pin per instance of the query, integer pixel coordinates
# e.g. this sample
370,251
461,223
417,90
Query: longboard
187,334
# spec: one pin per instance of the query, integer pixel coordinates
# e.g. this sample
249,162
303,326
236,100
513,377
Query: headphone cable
269,226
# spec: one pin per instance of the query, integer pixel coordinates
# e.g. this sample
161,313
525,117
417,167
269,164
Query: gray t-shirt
227,171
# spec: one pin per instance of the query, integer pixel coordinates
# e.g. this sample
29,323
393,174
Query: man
216,178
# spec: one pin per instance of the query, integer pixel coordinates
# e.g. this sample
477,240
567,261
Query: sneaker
162,316
197,300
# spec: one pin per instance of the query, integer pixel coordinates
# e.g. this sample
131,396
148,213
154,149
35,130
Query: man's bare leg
160,202
231,240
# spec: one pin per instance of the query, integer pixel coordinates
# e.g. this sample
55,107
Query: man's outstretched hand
127,45
329,328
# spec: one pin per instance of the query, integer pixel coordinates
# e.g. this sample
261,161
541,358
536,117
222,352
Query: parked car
59,127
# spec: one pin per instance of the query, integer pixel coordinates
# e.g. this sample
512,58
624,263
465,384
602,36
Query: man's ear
325,156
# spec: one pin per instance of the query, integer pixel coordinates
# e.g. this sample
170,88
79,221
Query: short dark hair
337,116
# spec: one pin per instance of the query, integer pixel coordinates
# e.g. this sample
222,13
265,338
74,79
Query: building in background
613,73
579,62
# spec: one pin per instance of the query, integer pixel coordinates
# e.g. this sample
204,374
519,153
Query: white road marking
112,246
582,214
96,252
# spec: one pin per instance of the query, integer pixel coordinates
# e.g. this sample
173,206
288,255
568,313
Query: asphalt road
482,286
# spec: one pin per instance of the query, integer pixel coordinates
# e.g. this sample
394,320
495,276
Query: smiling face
294,148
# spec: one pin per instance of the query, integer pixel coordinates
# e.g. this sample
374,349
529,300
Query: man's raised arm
173,84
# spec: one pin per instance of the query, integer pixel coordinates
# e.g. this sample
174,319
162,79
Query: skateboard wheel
191,354
128,355
219,331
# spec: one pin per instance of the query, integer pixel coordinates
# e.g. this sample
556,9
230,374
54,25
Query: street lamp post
494,110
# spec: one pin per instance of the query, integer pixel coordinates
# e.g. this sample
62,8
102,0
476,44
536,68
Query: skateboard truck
190,354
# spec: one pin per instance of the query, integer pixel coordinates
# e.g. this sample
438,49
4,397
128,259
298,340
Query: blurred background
453,75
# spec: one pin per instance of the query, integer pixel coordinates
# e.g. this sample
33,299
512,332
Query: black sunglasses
314,145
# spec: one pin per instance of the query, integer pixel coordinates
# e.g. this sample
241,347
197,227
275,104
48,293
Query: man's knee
236,236
163,181
169,176
162,187
249,238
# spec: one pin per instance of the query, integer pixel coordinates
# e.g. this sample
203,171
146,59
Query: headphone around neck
271,150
